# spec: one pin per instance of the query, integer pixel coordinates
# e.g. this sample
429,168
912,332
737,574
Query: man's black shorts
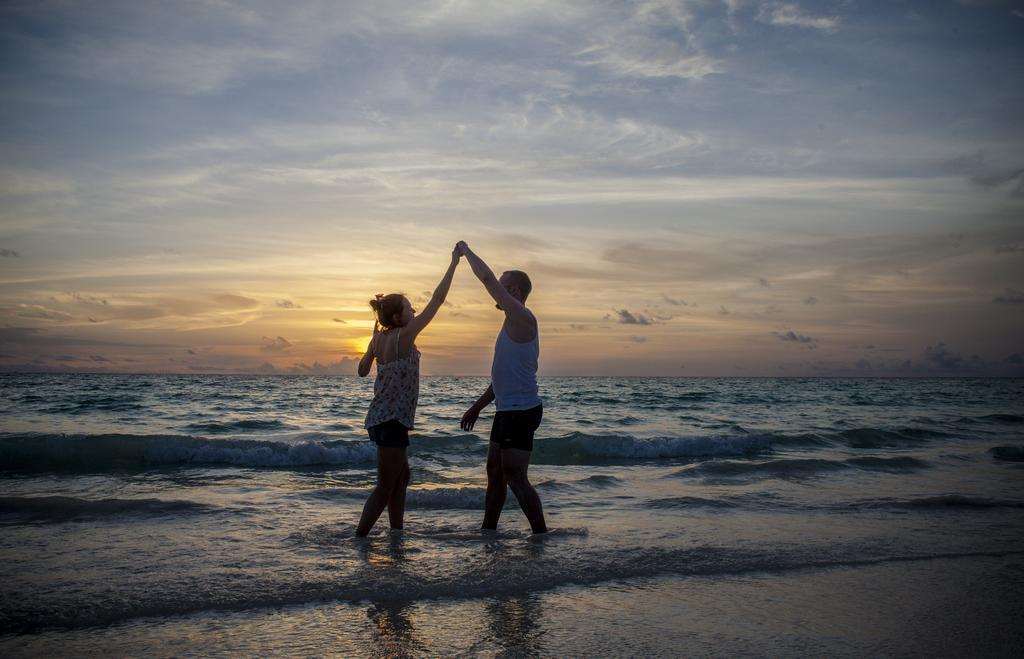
390,433
515,428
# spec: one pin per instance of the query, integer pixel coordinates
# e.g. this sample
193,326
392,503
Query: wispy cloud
787,14
276,344
627,317
791,336
1010,297
35,312
941,356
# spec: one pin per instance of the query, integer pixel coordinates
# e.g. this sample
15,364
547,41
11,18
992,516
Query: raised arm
469,418
417,324
514,310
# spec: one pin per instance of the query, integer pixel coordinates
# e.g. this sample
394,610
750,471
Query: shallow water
144,509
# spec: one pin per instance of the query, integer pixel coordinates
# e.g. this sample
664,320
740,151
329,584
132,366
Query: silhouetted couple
513,389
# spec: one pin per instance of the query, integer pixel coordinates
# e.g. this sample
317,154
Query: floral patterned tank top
396,390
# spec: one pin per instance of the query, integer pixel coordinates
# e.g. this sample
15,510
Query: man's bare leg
497,487
514,464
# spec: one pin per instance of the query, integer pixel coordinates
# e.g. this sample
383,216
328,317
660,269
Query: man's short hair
522,280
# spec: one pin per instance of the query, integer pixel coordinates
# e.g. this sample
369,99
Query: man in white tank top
514,390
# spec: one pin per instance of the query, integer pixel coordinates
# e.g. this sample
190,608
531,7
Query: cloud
36,312
638,339
648,39
98,358
1011,297
997,179
722,311
63,358
137,311
288,304
942,357
344,366
275,345
1009,249
785,14
810,299
1015,358
764,282
339,320
792,336
626,317
579,327
88,299
674,302
518,241
9,253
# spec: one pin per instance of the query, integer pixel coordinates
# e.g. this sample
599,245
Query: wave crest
89,453
62,509
582,448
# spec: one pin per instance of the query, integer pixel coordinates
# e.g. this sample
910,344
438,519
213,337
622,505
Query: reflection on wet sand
387,551
513,623
393,633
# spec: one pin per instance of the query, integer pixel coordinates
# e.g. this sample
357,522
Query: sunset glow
696,188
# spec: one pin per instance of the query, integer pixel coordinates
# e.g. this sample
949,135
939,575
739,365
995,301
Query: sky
696,188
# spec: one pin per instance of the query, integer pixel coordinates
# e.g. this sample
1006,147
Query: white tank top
514,373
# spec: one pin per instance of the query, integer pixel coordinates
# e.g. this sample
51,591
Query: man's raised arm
512,307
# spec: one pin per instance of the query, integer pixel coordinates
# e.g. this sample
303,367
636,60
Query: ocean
172,515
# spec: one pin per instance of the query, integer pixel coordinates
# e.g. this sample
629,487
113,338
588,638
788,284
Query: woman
395,393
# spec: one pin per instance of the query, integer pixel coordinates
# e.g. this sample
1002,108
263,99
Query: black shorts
515,428
390,433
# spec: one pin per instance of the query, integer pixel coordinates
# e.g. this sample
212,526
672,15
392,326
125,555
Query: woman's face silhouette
408,313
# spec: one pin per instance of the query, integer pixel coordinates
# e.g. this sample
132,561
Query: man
514,390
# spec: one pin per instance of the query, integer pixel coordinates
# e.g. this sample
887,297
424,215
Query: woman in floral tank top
395,393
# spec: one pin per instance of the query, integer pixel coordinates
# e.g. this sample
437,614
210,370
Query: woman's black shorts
515,428
390,433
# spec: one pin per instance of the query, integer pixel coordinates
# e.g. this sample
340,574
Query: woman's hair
387,307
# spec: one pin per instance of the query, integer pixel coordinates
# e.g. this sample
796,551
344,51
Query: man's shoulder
522,328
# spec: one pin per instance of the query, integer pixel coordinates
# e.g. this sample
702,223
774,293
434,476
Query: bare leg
396,504
497,487
390,464
515,463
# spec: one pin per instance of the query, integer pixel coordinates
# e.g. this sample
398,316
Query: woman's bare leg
396,504
391,463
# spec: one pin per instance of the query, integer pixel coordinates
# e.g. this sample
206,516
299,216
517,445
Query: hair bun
375,305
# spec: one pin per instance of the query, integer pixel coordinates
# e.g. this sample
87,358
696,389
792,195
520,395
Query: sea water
176,515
